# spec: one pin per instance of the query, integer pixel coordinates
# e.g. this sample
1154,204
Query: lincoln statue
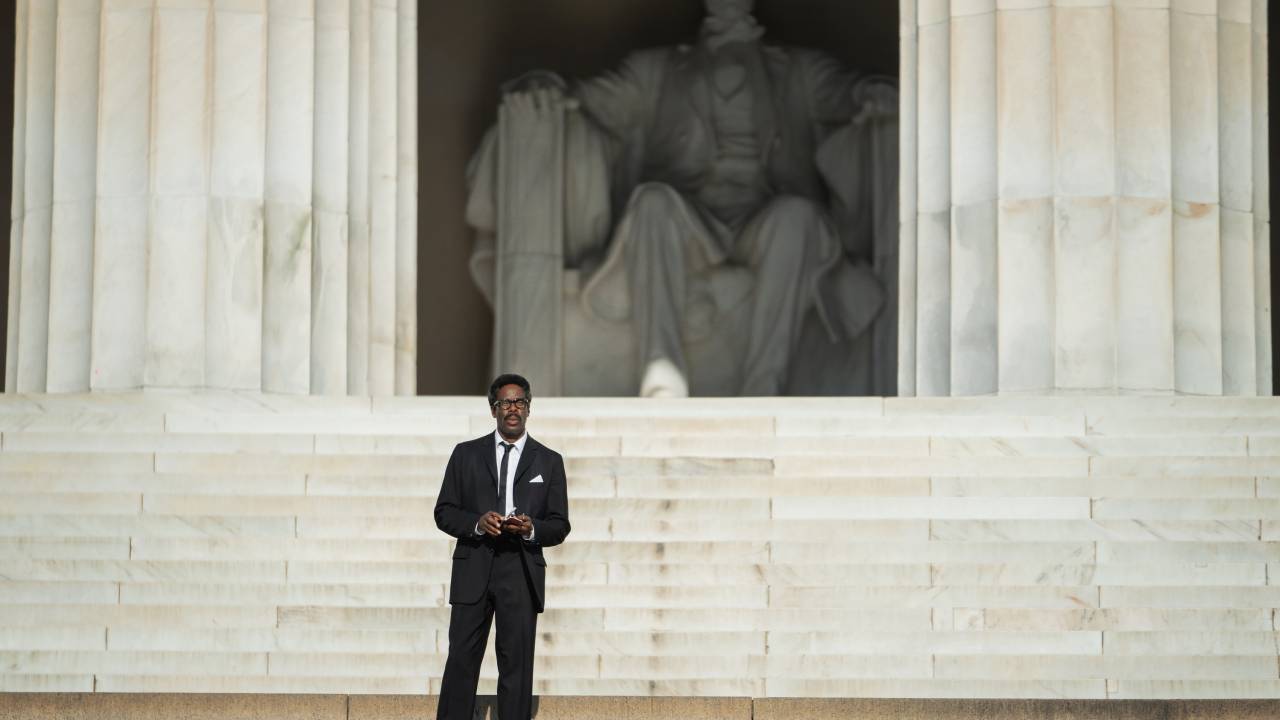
689,166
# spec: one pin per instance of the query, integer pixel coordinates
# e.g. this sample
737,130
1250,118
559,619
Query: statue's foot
662,379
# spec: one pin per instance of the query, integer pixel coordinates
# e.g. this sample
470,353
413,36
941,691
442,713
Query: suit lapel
763,100
488,493
489,456
531,448
695,74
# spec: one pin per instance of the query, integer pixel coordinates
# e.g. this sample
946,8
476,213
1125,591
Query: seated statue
720,195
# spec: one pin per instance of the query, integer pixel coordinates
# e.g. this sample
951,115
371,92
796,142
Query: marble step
66,535
753,514
1235,690
999,547
149,702
163,487
430,468
231,402
685,667
1168,630
729,598
767,544
659,443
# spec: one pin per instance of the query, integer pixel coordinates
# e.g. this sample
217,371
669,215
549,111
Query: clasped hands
493,525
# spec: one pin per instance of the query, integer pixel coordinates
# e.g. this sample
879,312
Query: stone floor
110,706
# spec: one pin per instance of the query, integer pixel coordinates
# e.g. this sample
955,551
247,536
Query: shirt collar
519,444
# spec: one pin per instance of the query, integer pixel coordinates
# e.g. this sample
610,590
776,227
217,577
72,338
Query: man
504,499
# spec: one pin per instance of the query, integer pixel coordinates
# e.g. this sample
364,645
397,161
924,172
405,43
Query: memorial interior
486,44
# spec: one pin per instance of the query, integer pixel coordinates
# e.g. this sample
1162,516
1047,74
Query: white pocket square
536,480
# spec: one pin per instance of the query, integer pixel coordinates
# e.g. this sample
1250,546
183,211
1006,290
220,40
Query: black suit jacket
470,489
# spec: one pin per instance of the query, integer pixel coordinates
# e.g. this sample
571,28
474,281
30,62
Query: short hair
506,379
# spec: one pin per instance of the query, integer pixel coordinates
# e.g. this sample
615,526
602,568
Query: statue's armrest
858,163
584,174
528,200
539,201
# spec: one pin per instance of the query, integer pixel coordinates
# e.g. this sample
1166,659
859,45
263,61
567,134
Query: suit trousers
509,598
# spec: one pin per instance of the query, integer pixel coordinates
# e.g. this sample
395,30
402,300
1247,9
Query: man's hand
491,524
518,525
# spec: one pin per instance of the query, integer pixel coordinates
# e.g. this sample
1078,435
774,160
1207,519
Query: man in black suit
504,499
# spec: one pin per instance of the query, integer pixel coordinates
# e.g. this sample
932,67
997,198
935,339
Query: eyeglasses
517,403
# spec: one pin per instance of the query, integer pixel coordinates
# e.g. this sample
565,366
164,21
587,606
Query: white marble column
290,225
188,175
908,201
1084,194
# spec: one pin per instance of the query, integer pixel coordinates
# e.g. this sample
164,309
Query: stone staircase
1083,548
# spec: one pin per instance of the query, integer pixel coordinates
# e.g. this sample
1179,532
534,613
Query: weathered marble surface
1130,144
188,177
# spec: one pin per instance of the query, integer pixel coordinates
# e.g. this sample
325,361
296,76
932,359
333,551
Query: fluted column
1084,202
214,193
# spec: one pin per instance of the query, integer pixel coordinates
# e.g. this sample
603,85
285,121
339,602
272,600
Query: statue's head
729,10
729,22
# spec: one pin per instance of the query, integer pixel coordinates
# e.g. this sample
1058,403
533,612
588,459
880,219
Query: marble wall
214,193
1085,197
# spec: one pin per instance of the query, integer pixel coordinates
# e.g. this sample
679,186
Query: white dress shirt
512,461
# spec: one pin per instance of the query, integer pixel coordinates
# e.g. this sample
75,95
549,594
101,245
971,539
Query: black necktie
502,479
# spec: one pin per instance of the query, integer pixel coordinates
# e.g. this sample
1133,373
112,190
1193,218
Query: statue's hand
536,92
875,98
534,80
535,105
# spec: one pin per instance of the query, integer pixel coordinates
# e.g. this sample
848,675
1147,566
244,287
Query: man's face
511,410
729,10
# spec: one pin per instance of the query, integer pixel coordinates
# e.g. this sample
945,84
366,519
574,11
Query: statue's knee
793,209
653,197
784,233
657,214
